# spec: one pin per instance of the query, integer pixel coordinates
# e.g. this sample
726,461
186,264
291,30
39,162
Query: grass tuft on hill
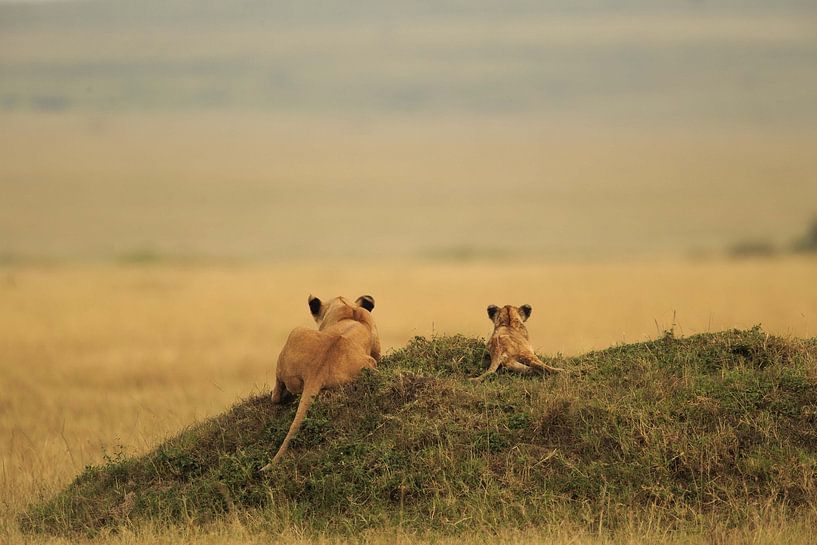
670,430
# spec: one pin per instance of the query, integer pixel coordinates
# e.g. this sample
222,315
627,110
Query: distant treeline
806,243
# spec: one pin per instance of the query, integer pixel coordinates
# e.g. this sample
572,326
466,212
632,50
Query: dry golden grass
769,530
94,358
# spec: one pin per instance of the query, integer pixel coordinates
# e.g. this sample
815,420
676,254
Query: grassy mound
674,429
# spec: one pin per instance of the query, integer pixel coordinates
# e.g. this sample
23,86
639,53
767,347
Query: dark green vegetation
673,430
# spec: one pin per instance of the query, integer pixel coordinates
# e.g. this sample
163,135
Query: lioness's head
340,308
509,316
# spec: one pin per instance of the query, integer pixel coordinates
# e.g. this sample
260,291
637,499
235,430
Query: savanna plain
177,177
99,359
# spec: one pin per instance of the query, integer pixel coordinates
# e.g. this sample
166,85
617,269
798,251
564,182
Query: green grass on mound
673,430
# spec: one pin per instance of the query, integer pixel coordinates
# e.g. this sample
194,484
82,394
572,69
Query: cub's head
330,312
509,316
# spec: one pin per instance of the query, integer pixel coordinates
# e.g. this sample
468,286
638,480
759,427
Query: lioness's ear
524,312
366,301
492,310
314,305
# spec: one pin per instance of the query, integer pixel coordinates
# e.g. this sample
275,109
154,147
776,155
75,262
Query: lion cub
345,343
509,345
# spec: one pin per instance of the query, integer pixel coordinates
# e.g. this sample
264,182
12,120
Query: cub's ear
524,312
314,305
492,310
366,301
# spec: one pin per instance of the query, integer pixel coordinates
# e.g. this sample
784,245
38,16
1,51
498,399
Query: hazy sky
214,127
752,62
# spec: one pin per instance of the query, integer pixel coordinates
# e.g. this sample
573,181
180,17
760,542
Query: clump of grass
672,430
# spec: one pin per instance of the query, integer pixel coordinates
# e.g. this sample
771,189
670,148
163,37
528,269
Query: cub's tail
532,361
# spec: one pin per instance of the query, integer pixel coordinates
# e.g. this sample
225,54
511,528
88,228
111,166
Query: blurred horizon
413,129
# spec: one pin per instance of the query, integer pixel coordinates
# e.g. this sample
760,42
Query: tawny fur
345,343
510,346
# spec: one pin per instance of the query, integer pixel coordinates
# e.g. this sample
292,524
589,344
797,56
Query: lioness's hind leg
280,394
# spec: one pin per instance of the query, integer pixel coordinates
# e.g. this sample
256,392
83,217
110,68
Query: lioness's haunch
509,345
345,343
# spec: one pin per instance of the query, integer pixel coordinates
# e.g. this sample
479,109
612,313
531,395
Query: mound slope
673,428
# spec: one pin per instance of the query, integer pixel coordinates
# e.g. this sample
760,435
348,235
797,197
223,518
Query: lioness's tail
308,395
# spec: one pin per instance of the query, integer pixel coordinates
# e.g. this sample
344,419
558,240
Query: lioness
509,345
345,343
